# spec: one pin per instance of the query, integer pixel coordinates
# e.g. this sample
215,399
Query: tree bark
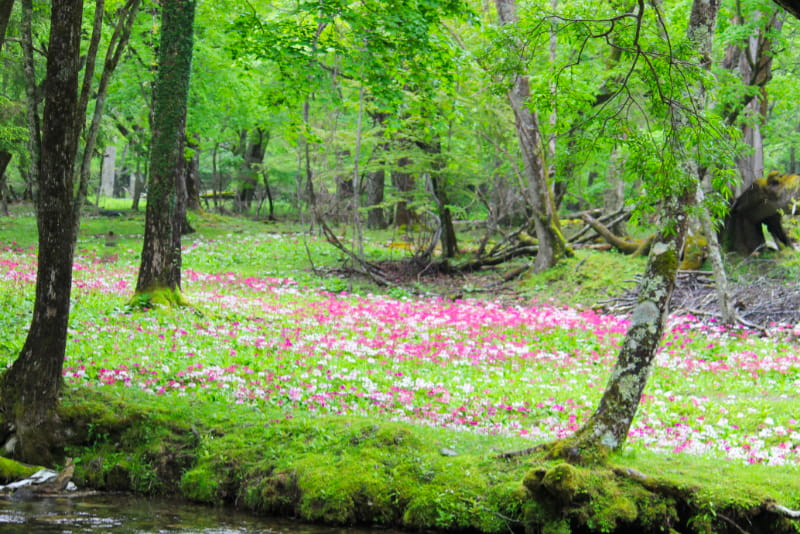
404,182
31,387
6,6
792,6
376,179
439,185
5,159
193,175
752,61
160,268
607,429
761,204
544,222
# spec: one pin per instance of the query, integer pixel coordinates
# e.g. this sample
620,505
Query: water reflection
135,515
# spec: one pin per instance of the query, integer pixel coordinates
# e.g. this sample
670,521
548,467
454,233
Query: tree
6,6
544,221
792,6
607,428
31,387
160,268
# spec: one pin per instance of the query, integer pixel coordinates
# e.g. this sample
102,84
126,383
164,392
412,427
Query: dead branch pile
762,302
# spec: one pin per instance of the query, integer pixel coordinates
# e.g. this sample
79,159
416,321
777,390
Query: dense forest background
376,113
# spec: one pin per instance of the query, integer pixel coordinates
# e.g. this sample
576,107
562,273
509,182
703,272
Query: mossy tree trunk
607,429
31,387
543,220
160,268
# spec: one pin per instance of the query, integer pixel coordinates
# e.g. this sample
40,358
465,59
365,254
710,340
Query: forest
255,196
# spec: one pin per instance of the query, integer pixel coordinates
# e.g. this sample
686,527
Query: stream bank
348,471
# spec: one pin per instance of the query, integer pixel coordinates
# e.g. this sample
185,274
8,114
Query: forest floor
763,289
291,387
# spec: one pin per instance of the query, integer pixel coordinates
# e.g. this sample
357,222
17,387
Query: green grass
273,455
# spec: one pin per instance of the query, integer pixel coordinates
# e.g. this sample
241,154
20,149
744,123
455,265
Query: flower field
474,365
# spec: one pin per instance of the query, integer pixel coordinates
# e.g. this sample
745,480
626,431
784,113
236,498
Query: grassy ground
327,399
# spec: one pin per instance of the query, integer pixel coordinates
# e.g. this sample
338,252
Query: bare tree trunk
117,44
404,182
376,179
31,387
439,185
544,222
193,175
5,159
753,63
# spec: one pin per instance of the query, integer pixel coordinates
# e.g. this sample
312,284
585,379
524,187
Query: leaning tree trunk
160,268
31,387
607,429
544,222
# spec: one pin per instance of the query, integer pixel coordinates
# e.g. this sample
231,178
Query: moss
664,262
158,298
339,470
11,470
201,485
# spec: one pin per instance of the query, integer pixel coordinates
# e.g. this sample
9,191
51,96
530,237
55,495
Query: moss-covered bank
351,471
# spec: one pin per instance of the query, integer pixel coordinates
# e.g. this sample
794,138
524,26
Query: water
115,514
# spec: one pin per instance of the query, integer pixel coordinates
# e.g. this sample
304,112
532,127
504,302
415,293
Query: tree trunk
31,387
376,180
792,6
544,222
752,61
193,176
255,147
6,6
160,268
404,182
118,43
439,185
607,429
5,159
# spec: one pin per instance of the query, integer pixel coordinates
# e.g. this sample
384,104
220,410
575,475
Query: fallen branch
623,245
368,269
782,511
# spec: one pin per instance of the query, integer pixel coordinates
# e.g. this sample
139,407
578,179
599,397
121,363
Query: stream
127,514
